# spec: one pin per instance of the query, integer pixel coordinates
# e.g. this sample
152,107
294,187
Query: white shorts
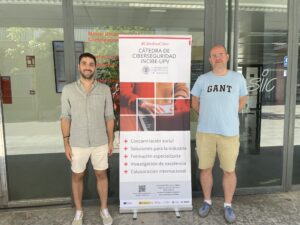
80,157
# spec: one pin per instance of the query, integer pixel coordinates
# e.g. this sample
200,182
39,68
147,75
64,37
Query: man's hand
110,149
68,152
152,107
196,103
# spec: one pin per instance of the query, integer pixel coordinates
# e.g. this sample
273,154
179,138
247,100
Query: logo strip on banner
155,163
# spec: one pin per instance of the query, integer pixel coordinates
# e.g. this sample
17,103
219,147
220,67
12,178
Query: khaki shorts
80,157
226,147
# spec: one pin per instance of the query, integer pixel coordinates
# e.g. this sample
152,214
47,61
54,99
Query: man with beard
218,96
87,122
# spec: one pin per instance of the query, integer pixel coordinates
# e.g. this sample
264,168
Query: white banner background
155,166
175,69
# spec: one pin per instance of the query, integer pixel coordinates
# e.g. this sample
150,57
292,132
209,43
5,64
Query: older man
218,96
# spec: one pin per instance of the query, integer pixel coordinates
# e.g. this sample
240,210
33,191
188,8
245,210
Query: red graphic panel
130,92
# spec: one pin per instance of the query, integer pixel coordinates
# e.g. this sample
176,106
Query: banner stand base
177,213
135,211
134,217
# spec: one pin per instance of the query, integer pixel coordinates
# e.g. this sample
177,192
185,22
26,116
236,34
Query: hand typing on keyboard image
151,107
167,109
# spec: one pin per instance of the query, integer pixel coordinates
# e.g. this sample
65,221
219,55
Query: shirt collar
79,84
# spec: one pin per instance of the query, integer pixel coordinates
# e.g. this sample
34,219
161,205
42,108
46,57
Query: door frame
291,93
3,171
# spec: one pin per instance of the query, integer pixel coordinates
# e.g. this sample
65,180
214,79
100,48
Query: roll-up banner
155,159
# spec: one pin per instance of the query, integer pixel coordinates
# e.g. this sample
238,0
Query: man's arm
181,90
196,103
65,121
65,129
110,134
242,102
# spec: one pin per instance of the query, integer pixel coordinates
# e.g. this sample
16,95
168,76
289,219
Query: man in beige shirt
87,122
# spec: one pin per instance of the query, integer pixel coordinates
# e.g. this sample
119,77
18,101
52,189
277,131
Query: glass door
37,170
261,51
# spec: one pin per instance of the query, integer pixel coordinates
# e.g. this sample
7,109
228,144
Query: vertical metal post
236,32
69,46
291,90
3,173
230,22
233,33
69,43
215,14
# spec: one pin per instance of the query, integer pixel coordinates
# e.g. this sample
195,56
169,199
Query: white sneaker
78,221
106,217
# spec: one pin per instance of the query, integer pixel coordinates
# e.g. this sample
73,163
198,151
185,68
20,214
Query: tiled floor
280,208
